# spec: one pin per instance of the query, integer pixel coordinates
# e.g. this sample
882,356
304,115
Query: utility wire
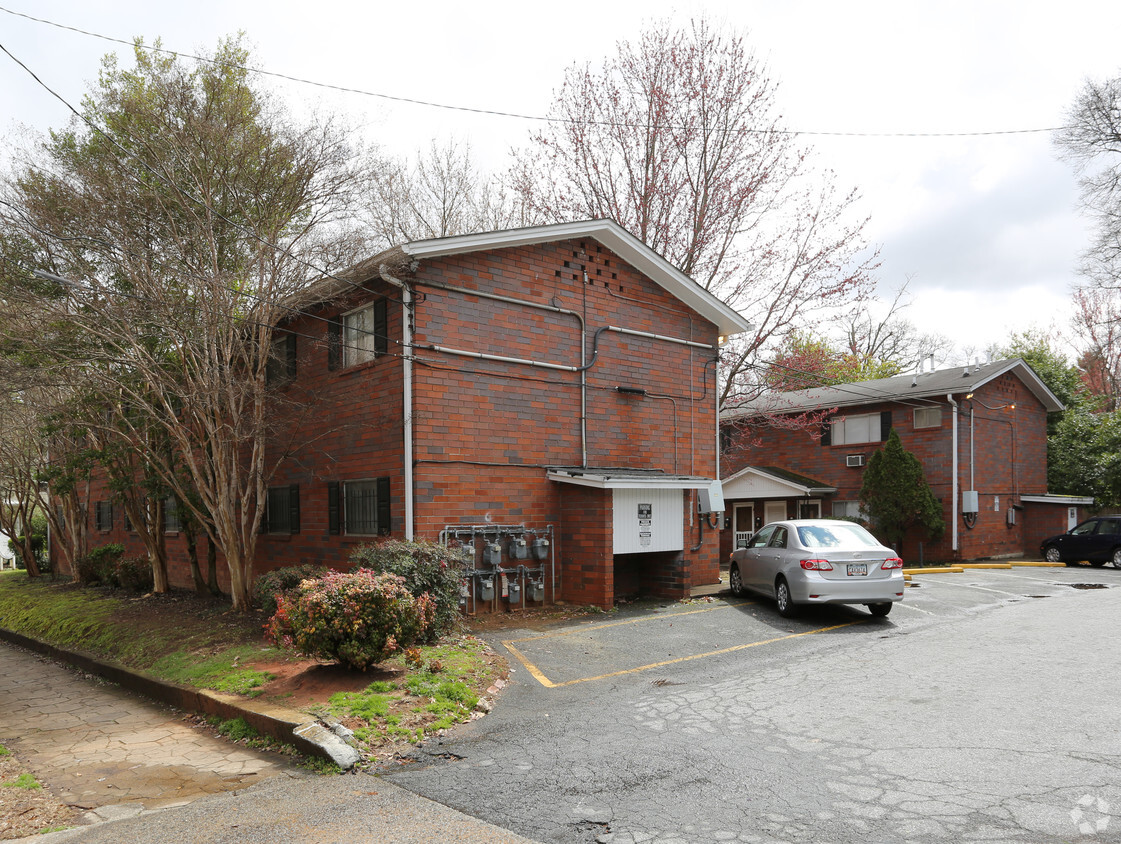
512,114
181,190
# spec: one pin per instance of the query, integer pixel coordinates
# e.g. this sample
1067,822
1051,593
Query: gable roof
926,385
610,234
772,482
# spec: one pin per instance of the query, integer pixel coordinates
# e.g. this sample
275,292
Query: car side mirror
741,543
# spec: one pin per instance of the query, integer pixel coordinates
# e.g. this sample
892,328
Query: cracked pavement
976,712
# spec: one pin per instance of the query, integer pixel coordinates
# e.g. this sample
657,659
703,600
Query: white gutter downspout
954,476
406,389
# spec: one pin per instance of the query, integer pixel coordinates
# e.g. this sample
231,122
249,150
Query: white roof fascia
614,237
796,489
609,482
1050,498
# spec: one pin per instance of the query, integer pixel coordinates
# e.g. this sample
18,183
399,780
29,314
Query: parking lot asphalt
595,650
981,709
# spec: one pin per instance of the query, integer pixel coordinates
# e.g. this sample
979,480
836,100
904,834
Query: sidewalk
123,758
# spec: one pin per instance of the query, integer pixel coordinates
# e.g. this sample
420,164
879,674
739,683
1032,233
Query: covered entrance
758,495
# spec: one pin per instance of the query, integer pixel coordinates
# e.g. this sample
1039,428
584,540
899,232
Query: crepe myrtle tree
895,496
677,137
184,212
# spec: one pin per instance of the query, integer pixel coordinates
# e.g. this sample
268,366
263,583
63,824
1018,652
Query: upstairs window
281,366
859,428
358,336
928,417
171,521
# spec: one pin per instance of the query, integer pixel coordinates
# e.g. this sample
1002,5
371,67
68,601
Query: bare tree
891,339
1091,141
677,138
186,213
442,193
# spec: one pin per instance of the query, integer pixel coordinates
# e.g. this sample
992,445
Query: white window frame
927,412
846,509
358,338
809,502
853,430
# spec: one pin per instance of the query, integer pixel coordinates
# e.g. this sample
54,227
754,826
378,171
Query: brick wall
486,431
1009,459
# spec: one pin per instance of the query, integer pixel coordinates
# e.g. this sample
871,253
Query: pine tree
895,495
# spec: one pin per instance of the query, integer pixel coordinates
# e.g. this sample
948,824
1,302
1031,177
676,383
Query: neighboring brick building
992,416
553,386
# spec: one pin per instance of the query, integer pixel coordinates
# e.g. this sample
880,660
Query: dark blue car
1097,540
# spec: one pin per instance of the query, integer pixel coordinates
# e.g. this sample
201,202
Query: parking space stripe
549,684
913,607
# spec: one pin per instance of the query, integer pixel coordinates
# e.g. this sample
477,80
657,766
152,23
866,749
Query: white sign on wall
647,520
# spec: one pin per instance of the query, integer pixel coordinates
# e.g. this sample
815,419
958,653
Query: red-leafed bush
357,619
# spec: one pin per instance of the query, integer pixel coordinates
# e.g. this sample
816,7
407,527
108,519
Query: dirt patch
304,684
27,811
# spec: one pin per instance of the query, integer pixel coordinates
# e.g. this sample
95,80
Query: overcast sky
987,227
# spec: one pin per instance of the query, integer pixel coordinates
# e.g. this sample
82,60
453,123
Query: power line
510,114
179,188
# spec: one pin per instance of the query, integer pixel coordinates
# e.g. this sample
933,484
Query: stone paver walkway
97,746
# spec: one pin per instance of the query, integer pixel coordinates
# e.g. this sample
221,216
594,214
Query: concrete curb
285,725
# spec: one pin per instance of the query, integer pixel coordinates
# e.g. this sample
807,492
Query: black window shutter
334,342
381,327
332,507
827,433
383,506
110,516
885,425
294,508
264,528
290,353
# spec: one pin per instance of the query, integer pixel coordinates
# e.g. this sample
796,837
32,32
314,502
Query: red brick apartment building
543,398
980,432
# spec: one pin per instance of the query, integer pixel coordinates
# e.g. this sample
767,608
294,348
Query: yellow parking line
545,681
661,617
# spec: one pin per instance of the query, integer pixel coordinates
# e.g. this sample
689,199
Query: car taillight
892,563
816,565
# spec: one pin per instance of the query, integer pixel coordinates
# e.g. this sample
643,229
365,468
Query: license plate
857,569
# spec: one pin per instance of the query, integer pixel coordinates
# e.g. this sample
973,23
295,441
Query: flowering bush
428,569
357,619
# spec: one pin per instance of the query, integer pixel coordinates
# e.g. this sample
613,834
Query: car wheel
1052,555
1117,558
880,610
786,606
1098,563
735,582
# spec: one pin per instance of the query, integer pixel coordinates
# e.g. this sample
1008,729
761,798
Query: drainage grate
1089,585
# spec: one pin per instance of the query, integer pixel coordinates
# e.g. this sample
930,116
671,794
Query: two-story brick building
543,398
980,432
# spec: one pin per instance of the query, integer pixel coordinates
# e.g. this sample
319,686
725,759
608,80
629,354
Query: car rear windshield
840,535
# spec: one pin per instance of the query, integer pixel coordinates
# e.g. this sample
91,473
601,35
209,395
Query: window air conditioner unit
854,460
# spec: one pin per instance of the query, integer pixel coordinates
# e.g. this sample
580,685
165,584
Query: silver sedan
818,561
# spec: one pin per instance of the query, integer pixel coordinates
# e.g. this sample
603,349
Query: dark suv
1096,540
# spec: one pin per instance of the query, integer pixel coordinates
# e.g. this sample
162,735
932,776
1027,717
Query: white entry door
774,511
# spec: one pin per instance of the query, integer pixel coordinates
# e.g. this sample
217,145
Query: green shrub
428,568
357,619
100,565
135,573
272,584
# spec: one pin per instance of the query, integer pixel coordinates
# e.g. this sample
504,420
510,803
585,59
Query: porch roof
772,482
626,479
